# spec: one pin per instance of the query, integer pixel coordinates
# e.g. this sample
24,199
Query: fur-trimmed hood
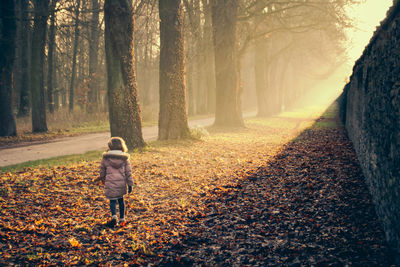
117,154
116,157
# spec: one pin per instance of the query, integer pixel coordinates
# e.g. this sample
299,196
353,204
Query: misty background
289,53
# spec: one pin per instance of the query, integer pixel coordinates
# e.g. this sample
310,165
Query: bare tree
282,33
50,57
75,52
94,57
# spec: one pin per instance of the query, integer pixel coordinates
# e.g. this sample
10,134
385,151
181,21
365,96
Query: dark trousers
113,207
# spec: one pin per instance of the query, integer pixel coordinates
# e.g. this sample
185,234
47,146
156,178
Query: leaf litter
235,198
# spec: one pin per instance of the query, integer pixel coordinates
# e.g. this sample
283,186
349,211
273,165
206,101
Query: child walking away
116,175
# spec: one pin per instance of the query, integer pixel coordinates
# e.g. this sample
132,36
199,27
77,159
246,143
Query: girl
116,174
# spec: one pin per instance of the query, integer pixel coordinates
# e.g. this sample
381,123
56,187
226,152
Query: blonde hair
117,143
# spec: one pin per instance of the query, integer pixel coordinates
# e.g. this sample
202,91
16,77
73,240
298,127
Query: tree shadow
308,205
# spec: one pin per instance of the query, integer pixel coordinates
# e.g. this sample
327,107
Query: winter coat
115,173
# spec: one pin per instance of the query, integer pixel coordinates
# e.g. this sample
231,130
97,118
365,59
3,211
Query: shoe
112,222
122,222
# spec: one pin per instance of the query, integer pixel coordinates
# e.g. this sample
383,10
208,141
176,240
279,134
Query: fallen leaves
236,197
307,206
74,243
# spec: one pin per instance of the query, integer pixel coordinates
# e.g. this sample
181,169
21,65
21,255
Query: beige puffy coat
115,173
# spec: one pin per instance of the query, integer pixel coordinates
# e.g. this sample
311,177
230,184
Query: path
77,144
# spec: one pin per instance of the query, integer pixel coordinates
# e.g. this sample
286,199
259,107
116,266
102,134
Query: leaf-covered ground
235,198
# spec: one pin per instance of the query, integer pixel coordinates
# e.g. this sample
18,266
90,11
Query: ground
274,193
17,151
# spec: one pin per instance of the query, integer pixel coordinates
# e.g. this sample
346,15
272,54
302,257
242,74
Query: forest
288,185
134,61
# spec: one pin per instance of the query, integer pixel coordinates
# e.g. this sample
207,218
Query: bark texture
74,55
124,109
24,103
172,122
208,57
50,57
8,29
224,16
260,67
37,64
93,94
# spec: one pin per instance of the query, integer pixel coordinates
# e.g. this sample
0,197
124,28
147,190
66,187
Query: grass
328,120
275,125
57,161
325,124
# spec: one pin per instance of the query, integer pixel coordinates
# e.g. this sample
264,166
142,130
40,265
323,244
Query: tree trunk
39,123
224,16
281,86
172,122
201,94
197,94
7,45
190,90
260,56
81,91
124,110
64,96
273,100
201,90
50,56
153,72
93,95
146,73
55,82
75,52
16,73
24,104
208,57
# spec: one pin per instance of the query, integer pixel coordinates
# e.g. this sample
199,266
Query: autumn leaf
74,243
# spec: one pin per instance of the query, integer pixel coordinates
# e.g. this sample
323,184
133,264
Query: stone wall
370,110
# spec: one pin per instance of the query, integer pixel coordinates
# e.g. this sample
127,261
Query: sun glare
367,16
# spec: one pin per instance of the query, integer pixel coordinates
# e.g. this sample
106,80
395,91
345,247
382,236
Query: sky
367,16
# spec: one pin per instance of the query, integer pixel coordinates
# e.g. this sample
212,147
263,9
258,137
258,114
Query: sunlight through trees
228,57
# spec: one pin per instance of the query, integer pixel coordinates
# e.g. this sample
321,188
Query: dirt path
77,144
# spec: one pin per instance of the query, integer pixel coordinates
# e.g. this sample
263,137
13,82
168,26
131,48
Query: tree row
174,57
